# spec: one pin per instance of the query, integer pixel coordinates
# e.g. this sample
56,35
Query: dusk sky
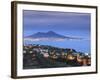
65,23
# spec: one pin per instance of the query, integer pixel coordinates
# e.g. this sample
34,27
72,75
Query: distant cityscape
45,56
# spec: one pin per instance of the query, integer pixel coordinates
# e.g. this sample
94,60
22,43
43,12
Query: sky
65,23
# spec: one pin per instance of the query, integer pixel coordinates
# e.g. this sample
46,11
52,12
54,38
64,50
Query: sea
79,45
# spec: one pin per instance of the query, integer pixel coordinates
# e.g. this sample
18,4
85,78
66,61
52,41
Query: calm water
78,45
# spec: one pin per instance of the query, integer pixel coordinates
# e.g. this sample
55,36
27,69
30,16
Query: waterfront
44,56
79,45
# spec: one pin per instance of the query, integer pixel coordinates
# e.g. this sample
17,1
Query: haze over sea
80,45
